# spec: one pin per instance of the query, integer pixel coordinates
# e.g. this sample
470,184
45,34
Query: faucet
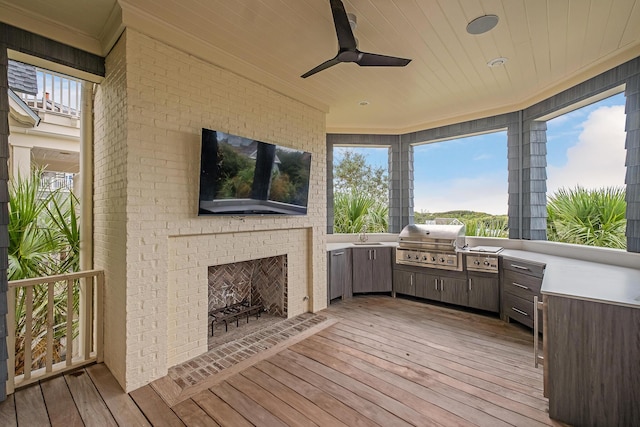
363,234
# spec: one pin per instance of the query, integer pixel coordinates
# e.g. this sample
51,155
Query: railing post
11,339
85,334
100,317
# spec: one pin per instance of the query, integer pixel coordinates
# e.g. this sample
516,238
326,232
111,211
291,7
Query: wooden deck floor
387,362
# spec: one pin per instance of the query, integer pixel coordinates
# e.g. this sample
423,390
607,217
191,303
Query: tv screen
241,176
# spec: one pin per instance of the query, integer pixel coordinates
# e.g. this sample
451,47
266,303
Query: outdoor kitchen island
591,340
591,336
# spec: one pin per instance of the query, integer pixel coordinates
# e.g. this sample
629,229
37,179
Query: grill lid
446,237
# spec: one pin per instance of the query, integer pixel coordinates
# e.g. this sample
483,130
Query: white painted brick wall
109,200
164,246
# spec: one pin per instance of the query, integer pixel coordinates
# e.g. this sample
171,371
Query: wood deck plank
511,391
154,408
448,347
61,408
425,407
376,361
90,405
417,373
494,337
8,412
384,395
246,406
30,407
294,399
414,344
263,397
360,404
220,410
410,325
411,385
121,405
429,360
323,400
193,415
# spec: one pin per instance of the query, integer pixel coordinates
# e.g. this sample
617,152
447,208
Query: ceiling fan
348,46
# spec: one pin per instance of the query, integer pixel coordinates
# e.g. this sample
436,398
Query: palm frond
593,217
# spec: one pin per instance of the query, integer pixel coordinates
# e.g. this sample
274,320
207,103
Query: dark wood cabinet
339,274
372,270
428,286
404,282
453,290
484,291
592,358
445,286
429,283
521,281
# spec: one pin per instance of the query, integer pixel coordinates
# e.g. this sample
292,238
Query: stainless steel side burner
483,258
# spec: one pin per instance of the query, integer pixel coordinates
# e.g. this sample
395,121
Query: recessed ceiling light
497,62
482,24
363,103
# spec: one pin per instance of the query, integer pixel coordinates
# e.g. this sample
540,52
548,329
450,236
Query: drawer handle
520,267
519,285
519,311
338,253
537,305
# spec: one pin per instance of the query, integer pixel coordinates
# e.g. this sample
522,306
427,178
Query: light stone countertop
345,245
585,280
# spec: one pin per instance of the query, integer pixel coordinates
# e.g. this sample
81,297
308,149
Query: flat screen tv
241,176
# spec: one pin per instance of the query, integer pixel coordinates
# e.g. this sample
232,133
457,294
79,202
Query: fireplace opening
244,296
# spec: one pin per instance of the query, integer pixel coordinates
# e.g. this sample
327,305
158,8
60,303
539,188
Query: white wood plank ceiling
550,46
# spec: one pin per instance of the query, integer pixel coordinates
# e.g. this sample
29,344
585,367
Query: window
360,189
463,178
586,173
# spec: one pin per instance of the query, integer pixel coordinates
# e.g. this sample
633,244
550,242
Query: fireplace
247,287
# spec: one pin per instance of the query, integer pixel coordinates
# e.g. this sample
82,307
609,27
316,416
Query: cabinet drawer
530,268
518,309
521,285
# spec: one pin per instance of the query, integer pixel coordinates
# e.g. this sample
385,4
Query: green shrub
593,217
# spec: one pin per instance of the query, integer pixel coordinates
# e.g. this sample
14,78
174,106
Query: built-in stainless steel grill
432,245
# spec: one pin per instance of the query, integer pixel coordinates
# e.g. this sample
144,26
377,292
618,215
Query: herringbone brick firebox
259,281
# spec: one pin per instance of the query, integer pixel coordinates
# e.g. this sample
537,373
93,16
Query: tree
353,173
594,217
361,195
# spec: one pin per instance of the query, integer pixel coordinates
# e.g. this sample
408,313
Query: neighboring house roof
21,112
22,77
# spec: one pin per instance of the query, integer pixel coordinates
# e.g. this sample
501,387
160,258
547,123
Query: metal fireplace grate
233,313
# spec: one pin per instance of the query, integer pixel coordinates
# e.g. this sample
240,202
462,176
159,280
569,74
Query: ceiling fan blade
346,39
375,60
323,66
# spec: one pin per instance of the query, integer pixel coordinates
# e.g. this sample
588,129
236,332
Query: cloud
597,159
487,193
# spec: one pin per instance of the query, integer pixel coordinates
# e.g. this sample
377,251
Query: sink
367,243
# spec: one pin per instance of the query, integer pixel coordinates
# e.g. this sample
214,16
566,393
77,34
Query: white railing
52,181
58,328
57,93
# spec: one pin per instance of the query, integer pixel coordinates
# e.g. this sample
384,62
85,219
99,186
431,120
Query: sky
584,147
